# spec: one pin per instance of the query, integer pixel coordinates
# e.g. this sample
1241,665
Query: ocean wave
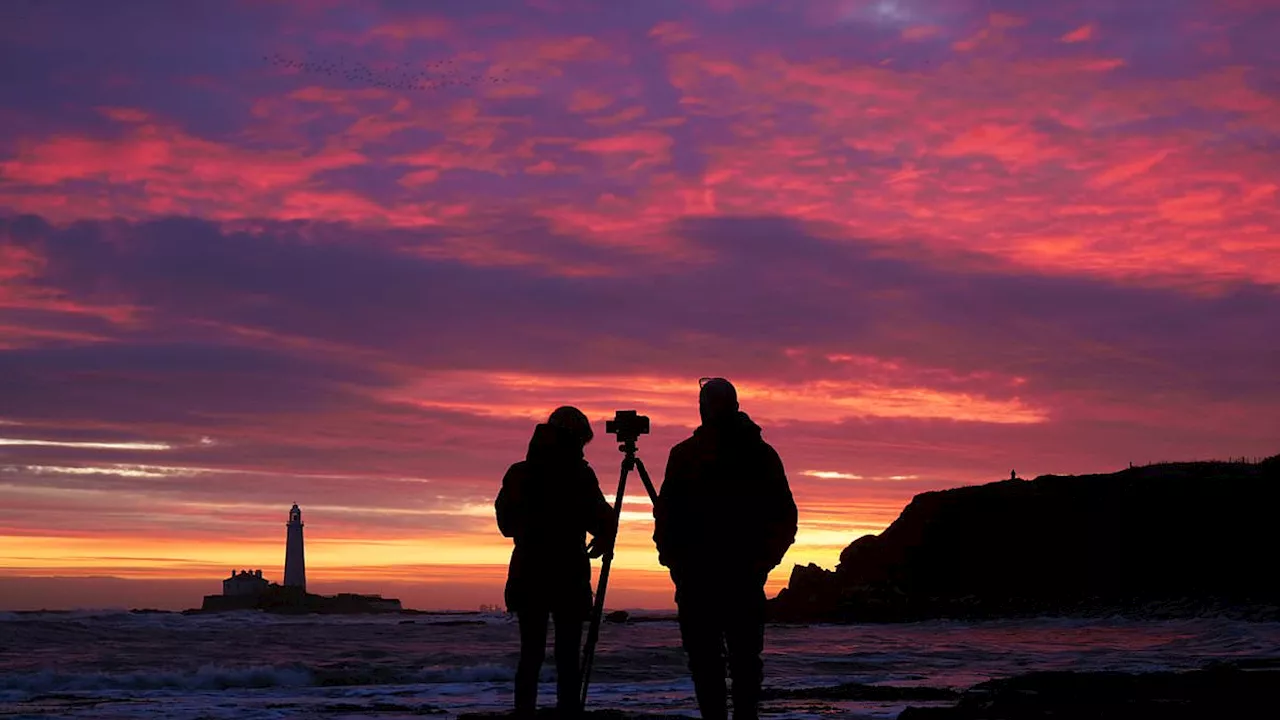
367,674
209,677
216,677
113,617
471,674
46,615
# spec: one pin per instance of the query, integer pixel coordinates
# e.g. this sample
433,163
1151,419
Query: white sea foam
214,677
472,674
68,615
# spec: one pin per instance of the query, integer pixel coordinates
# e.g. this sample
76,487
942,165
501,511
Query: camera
627,425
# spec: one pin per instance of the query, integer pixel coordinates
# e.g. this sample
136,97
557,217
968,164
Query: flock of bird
432,76
22,12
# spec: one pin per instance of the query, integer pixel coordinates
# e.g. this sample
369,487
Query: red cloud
1083,33
575,49
589,101
992,34
1011,144
179,173
415,28
125,115
921,32
672,33
654,148
546,167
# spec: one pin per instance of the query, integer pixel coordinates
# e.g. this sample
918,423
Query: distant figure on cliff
548,503
724,518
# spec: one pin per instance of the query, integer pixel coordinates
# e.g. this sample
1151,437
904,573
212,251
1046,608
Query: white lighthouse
295,565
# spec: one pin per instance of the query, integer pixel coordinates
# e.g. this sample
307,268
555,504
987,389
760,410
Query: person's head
572,420
717,400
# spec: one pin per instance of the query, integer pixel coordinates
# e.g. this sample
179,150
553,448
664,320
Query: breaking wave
209,677
215,677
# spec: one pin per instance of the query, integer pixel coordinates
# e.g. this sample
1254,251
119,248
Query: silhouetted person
724,519
548,503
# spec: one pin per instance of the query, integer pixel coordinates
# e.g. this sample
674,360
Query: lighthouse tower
295,566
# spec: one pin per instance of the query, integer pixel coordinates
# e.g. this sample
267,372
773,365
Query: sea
254,666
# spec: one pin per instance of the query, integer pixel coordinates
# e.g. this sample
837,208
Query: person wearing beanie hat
724,518
548,503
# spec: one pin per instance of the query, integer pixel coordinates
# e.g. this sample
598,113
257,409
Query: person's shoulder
765,445
760,450
686,446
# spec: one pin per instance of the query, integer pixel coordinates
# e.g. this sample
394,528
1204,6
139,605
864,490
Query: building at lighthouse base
248,590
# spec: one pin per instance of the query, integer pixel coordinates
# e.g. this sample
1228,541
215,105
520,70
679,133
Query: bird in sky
435,75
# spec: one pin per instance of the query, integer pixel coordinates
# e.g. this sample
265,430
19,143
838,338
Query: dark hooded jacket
725,511
547,504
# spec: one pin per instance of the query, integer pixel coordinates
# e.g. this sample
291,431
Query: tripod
629,460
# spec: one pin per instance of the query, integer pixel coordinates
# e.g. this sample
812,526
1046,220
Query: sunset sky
346,254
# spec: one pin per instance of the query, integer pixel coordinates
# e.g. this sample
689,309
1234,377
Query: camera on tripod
627,425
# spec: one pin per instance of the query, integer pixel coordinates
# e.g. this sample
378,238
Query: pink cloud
1084,33
545,167
419,178
653,148
1011,144
993,34
921,32
672,33
415,28
179,172
574,49
589,101
125,115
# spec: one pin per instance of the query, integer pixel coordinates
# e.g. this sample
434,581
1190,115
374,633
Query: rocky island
288,600
1165,540
249,590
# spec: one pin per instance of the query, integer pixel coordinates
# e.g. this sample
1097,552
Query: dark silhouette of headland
249,590
1164,541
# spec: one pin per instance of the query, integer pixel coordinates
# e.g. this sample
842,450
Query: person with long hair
548,503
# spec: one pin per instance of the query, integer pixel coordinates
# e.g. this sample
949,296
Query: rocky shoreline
1238,690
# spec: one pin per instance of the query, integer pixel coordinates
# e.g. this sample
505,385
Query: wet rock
549,714
858,691
1224,691
374,708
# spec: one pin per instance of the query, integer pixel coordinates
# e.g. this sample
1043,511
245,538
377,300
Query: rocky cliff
1173,539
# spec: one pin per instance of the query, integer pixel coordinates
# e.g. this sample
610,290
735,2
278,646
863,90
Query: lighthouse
295,566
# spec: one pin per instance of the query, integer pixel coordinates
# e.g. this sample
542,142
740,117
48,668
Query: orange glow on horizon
671,401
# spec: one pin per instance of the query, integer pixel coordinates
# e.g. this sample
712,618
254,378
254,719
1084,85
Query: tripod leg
648,484
597,612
